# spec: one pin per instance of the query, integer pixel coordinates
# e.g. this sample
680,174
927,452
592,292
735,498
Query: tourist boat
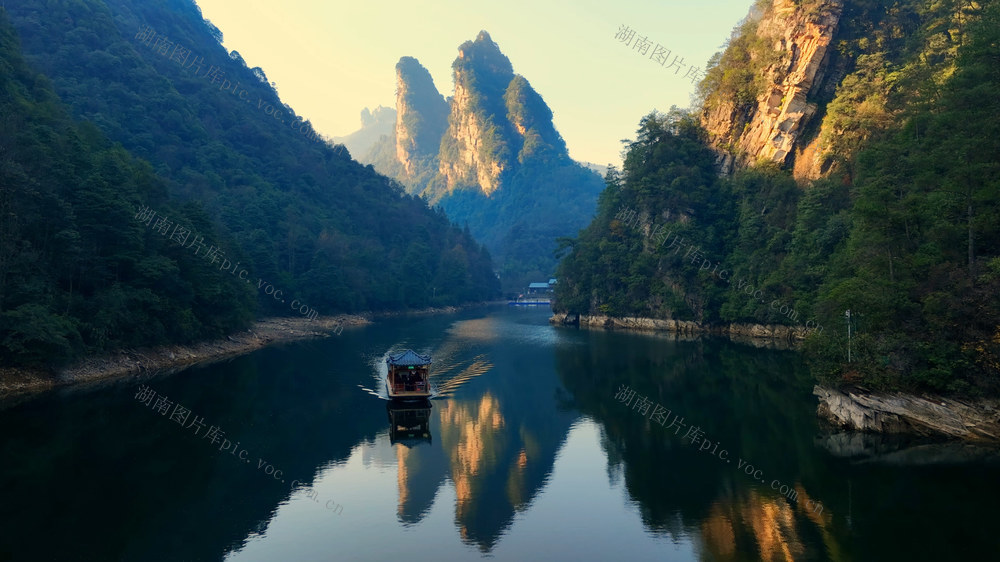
408,377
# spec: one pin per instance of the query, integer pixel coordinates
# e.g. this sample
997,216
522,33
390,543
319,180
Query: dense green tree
653,219
79,273
919,265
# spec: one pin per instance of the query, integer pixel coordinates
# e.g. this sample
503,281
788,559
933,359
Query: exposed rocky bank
854,410
899,413
770,335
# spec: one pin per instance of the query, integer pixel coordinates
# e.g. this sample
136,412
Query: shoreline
758,335
855,410
17,384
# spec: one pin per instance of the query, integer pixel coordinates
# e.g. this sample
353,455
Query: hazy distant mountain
491,157
374,124
600,169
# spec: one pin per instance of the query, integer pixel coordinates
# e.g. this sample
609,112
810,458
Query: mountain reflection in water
524,454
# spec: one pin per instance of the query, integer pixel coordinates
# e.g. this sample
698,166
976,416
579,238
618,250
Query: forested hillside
903,231
78,272
207,145
309,216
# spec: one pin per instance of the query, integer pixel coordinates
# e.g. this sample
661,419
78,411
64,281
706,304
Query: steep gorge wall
476,148
421,116
778,128
471,161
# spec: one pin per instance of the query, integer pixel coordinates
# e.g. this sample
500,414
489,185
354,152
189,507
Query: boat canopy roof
408,357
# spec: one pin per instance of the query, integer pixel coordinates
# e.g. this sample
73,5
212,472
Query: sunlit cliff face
775,131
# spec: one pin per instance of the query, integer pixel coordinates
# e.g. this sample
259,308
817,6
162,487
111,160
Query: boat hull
406,394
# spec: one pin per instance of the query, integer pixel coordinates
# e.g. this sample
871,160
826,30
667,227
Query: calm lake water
529,452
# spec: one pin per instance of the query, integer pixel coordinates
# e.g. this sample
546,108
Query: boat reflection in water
409,422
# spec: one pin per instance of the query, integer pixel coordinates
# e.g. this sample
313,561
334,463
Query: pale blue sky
332,59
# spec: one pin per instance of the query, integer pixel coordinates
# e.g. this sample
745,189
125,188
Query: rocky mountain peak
484,57
493,125
421,115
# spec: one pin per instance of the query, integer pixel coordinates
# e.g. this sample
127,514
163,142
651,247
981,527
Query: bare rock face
773,131
473,163
758,335
493,127
766,331
421,115
650,324
475,150
903,413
